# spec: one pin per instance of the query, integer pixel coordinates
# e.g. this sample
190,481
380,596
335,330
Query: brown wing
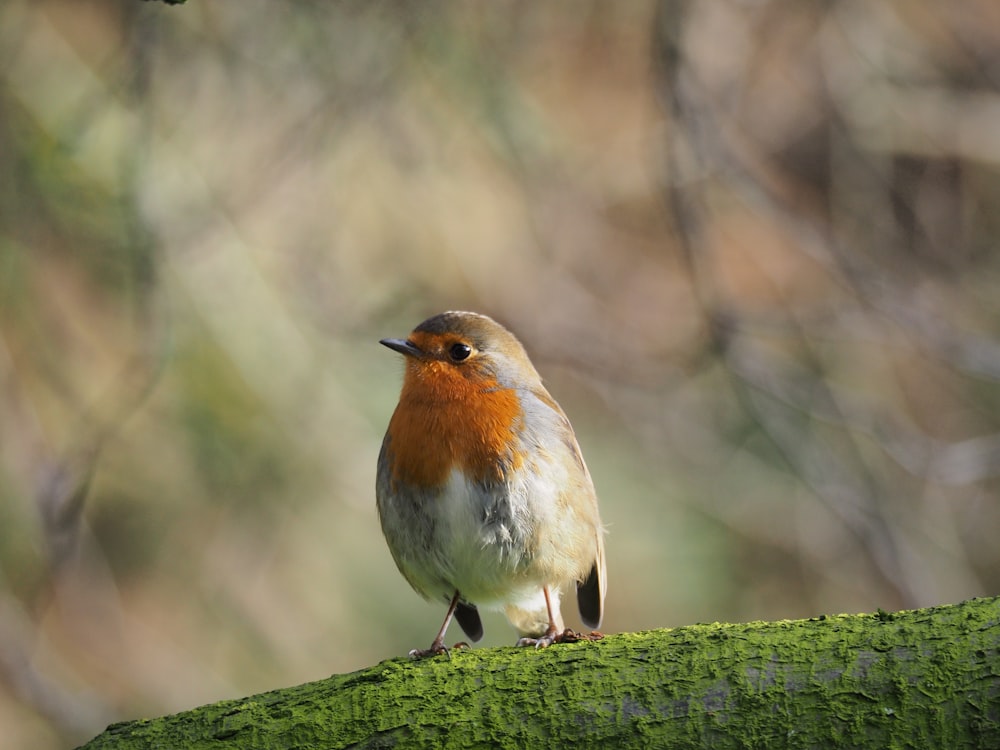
591,590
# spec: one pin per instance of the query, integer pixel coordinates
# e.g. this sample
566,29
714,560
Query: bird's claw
553,636
437,648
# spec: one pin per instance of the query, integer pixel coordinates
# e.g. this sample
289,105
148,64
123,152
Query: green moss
926,678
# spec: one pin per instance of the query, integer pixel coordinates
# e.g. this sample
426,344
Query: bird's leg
552,634
437,646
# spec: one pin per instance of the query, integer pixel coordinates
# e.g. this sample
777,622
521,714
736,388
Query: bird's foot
437,647
553,636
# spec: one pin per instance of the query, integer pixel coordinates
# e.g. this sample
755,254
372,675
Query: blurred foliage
751,246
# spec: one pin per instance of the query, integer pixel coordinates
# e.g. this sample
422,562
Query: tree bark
926,678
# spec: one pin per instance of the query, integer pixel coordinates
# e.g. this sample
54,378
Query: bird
482,492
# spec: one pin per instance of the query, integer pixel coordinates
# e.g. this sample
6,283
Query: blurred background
752,247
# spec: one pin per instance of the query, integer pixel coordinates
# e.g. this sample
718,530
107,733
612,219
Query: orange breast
447,418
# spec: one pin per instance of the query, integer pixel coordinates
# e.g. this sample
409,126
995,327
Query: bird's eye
459,352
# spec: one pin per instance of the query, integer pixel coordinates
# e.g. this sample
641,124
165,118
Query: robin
482,492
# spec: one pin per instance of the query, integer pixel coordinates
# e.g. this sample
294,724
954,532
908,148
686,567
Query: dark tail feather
468,618
590,599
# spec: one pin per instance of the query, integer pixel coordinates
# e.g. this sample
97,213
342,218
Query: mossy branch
923,678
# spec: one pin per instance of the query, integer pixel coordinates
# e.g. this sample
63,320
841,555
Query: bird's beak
407,348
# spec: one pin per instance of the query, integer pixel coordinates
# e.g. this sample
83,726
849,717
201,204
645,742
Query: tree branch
921,678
